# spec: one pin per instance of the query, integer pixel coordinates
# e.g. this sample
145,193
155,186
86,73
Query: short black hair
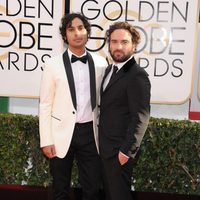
66,22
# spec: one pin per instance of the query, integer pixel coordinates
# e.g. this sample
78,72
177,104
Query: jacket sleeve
138,93
47,90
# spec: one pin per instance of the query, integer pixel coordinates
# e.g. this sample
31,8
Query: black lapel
129,64
121,72
92,81
104,77
70,77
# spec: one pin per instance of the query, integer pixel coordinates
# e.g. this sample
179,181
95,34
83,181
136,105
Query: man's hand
49,151
122,158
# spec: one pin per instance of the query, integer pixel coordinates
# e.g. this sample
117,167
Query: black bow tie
82,59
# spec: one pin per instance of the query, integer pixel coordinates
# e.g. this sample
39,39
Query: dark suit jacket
124,111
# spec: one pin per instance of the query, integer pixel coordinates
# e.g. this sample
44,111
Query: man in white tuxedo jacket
68,107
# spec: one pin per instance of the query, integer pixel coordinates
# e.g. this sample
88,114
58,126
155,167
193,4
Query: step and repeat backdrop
194,109
169,40
29,34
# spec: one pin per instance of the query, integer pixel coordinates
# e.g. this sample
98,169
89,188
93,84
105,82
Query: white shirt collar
70,53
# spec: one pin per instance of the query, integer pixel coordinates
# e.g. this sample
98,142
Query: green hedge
169,161
22,161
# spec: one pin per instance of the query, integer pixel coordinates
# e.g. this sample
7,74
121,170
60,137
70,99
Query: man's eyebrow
79,26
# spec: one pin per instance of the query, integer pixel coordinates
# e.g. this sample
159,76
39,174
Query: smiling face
121,47
77,36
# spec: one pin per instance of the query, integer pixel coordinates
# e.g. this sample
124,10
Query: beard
120,58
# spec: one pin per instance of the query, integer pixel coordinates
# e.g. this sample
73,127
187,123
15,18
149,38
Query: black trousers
83,149
117,178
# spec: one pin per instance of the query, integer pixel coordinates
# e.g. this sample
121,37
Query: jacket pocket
55,118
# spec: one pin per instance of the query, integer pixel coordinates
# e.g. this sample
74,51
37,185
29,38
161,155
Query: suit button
73,112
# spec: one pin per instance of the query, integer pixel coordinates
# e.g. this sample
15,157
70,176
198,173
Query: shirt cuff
124,154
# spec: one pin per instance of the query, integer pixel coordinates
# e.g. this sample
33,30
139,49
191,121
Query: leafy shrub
170,158
169,161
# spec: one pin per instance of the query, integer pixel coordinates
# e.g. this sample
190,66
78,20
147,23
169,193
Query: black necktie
115,68
82,59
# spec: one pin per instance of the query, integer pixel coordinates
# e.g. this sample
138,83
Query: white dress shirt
82,88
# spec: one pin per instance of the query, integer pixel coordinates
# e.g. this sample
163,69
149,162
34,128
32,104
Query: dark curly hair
66,22
123,25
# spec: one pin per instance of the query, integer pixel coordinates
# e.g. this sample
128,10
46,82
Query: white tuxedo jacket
57,108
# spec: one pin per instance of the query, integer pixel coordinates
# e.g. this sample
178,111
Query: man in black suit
124,111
